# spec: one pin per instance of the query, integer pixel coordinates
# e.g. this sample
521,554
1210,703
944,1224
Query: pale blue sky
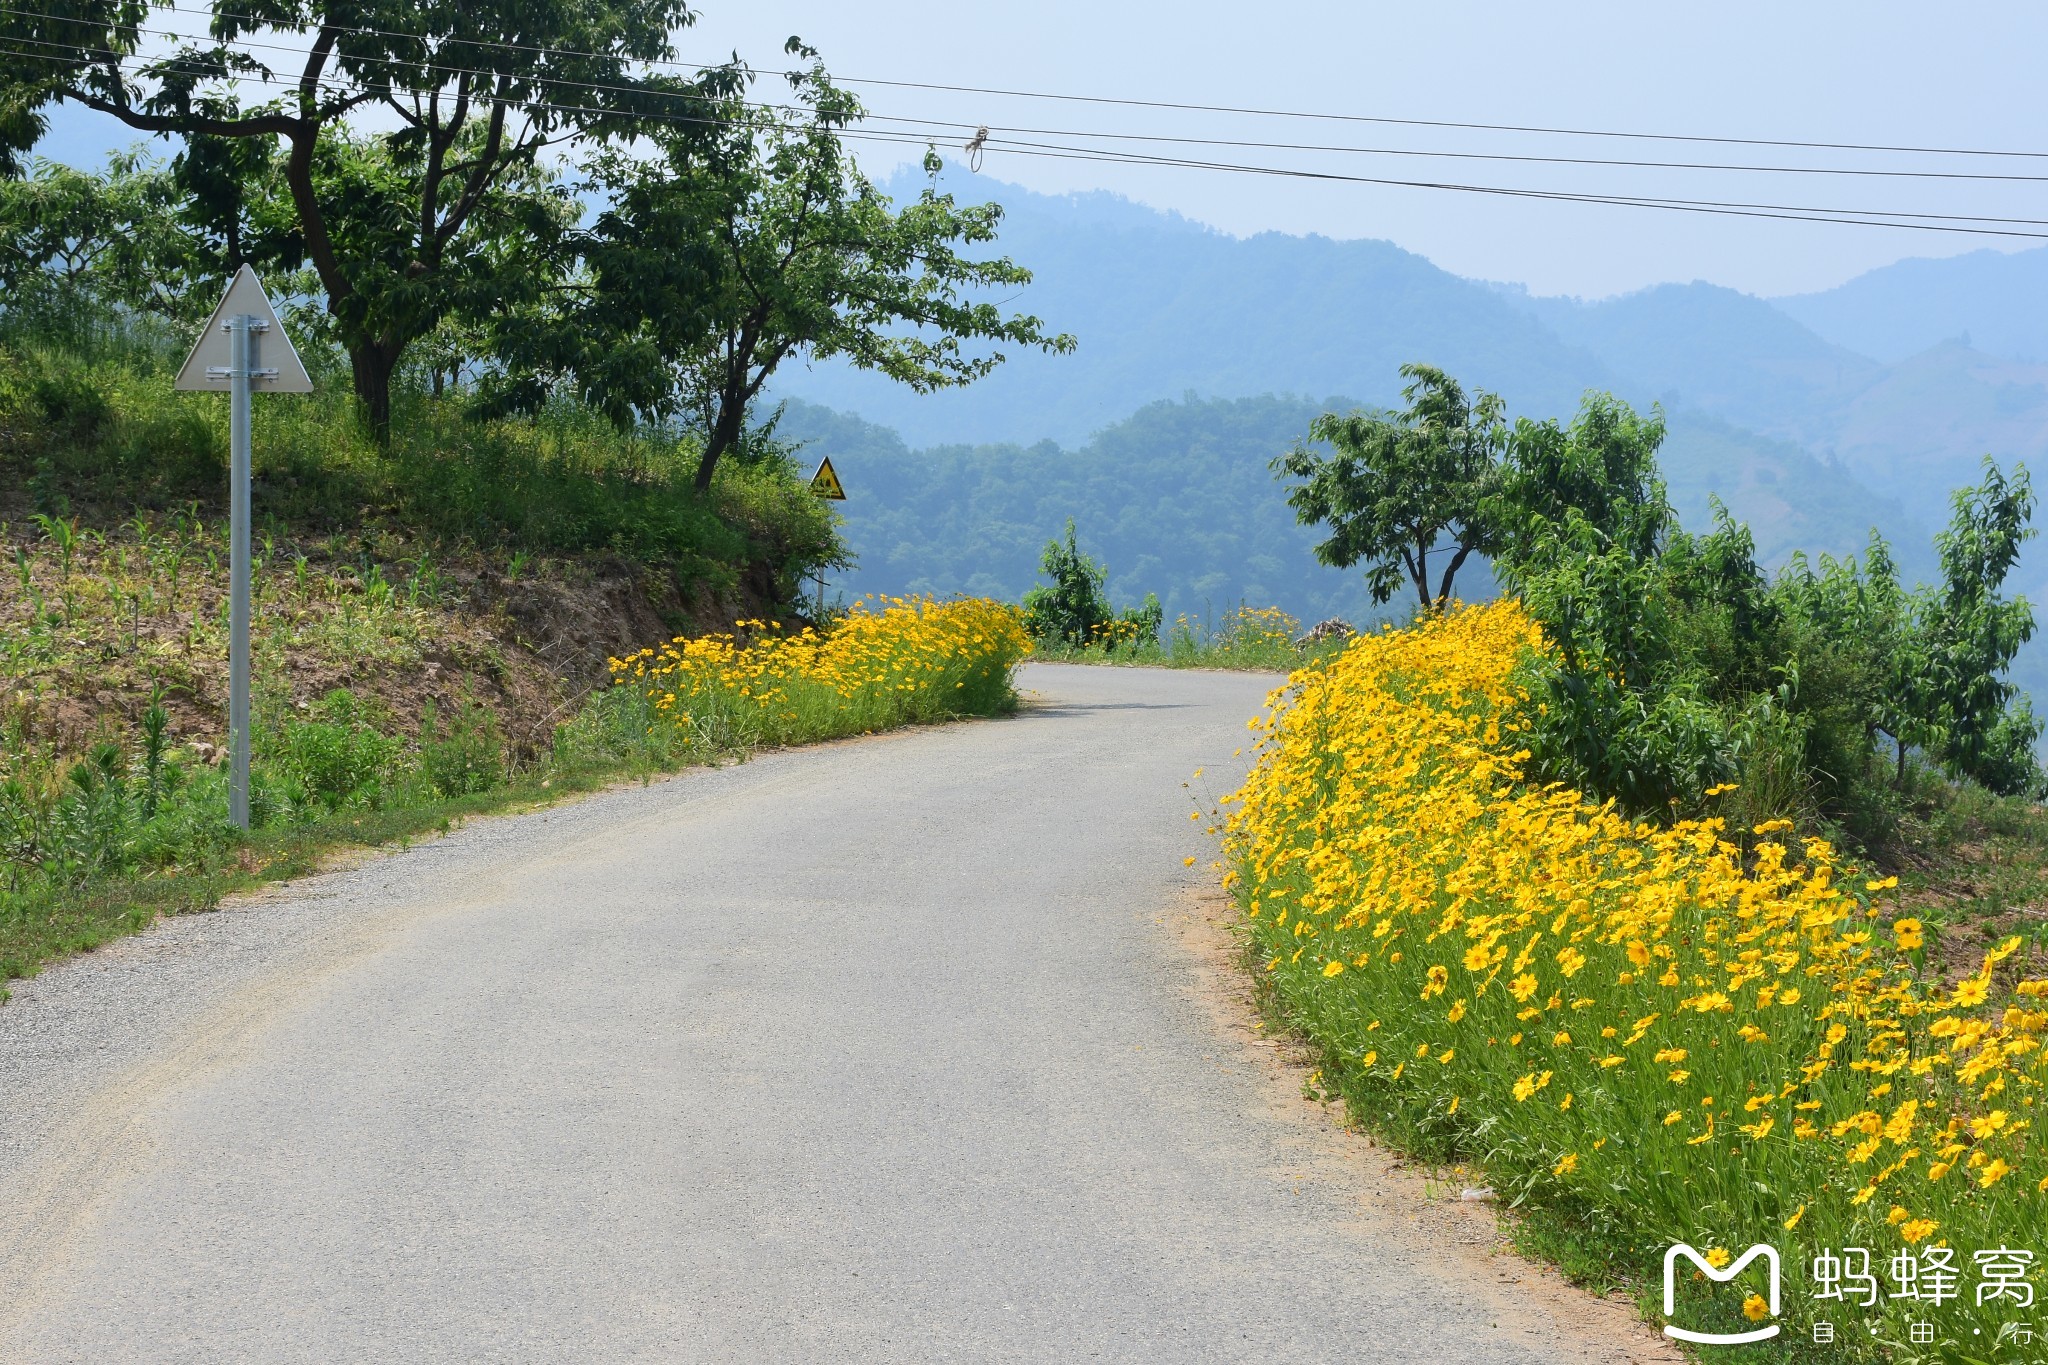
1957,75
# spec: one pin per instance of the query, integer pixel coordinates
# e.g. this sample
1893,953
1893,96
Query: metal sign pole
226,351
242,329
825,484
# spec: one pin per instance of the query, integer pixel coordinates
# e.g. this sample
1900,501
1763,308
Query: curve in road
876,1051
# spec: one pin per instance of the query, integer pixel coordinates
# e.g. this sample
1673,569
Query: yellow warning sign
825,483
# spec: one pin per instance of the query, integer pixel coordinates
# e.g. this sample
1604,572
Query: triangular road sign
276,365
825,483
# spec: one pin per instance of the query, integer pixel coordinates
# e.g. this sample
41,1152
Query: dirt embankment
92,622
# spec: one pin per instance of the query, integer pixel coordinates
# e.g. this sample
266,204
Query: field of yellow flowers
891,661
1663,1034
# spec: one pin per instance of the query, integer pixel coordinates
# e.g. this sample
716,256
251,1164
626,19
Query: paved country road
892,1050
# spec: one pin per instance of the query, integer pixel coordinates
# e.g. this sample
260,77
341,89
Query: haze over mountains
1814,418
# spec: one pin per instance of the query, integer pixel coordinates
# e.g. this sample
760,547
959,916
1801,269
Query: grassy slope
505,560
499,564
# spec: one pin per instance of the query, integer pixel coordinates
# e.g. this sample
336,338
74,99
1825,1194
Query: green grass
1972,866
428,615
53,922
90,427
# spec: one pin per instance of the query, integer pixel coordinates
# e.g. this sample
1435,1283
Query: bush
339,758
1073,611
466,758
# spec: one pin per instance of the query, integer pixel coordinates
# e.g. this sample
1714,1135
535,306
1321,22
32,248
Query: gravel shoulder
920,1048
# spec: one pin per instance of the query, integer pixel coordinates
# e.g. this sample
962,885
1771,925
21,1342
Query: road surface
891,1050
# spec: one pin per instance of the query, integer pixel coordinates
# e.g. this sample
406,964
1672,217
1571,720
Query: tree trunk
372,365
1443,596
1418,573
723,436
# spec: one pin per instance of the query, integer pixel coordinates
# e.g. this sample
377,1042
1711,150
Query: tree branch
316,62
271,125
487,163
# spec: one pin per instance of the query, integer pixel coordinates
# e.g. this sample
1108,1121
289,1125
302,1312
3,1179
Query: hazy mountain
1726,353
1912,431
1992,298
1925,426
1162,307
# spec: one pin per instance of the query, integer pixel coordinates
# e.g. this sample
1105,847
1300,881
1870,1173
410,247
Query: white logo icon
1735,1267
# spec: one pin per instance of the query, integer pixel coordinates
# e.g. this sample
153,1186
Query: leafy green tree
406,235
158,239
1961,705
1071,610
1400,487
113,235
1851,655
1603,466
718,261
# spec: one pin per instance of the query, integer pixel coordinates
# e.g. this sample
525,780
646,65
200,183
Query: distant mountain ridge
1913,430
1164,307
1991,300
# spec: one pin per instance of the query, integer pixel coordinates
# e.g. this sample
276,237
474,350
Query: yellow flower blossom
1390,801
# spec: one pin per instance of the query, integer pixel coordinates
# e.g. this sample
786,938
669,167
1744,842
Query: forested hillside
1179,500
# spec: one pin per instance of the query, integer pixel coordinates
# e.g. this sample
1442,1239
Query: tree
718,261
1962,705
1400,487
113,235
153,238
478,90
1603,466
1072,611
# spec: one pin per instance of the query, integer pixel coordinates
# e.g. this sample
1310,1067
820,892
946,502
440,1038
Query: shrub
1073,610
465,758
338,757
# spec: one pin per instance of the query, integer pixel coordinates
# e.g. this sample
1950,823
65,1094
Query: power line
1863,218
1167,139
1156,138
1799,213
1190,107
